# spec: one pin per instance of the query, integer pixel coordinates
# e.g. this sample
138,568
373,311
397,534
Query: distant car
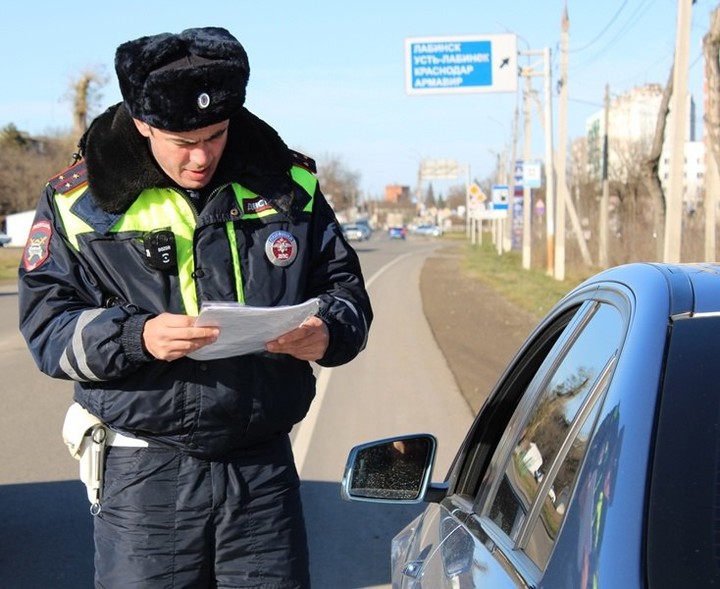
364,224
432,230
397,232
4,239
354,232
593,463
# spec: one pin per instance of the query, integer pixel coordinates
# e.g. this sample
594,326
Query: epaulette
303,161
72,177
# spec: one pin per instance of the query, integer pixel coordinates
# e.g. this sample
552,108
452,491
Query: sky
329,76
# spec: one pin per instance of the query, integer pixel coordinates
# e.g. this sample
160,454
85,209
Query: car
397,232
428,229
364,224
594,462
354,232
4,239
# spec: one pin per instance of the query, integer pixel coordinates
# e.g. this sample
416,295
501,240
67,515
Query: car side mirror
395,470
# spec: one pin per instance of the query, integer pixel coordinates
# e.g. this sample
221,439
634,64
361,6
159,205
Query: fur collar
120,164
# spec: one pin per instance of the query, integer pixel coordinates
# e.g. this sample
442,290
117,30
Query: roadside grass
9,262
532,290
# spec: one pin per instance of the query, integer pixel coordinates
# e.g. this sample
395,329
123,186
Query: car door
514,477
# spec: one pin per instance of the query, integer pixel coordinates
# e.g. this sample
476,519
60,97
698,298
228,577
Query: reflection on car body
588,466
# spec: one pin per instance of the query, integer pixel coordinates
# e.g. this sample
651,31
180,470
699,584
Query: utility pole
511,183
546,121
473,222
565,203
605,200
549,168
544,109
527,204
562,148
678,108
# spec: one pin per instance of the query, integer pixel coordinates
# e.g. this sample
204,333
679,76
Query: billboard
445,65
439,170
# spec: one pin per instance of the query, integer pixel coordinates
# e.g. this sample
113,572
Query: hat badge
203,101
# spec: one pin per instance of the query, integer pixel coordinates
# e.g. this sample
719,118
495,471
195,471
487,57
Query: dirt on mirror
477,330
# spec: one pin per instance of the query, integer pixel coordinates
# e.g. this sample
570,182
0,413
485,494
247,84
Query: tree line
27,162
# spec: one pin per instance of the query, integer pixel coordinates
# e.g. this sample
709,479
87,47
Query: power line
588,102
602,32
631,22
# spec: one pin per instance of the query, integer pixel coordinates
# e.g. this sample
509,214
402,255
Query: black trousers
169,520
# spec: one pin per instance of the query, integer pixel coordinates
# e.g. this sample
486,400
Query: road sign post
500,193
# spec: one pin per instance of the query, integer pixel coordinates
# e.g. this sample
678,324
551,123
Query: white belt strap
118,439
76,428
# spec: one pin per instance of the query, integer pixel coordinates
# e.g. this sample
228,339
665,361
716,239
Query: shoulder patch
303,161
37,247
70,178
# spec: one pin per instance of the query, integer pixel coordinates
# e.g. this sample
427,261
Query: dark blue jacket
86,287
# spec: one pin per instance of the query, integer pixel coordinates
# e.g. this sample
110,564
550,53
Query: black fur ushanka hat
183,82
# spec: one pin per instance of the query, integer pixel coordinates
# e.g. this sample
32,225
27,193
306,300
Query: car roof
691,288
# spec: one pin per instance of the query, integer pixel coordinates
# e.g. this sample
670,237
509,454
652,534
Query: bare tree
628,184
456,196
86,97
32,161
340,185
711,49
649,170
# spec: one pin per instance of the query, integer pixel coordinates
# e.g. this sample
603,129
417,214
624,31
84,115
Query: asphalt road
399,384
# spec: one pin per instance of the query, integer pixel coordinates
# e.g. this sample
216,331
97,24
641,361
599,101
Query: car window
491,422
683,527
545,442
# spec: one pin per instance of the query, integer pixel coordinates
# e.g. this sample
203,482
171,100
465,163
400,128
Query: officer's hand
169,337
307,342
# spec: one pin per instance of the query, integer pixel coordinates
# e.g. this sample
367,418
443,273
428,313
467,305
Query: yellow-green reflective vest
168,208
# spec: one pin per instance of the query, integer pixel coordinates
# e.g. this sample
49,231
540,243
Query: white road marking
305,429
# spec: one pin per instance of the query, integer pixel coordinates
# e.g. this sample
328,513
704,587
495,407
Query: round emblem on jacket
281,248
203,101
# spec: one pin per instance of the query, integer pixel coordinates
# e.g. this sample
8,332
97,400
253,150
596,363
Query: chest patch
37,247
256,205
281,248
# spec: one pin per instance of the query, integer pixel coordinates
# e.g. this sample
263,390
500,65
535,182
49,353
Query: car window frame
526,403
467,475
471,463
513,548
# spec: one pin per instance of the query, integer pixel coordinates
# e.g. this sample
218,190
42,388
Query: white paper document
245,329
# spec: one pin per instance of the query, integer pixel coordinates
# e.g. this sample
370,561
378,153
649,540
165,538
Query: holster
85,437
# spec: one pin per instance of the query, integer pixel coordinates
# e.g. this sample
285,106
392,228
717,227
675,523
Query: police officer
183,196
